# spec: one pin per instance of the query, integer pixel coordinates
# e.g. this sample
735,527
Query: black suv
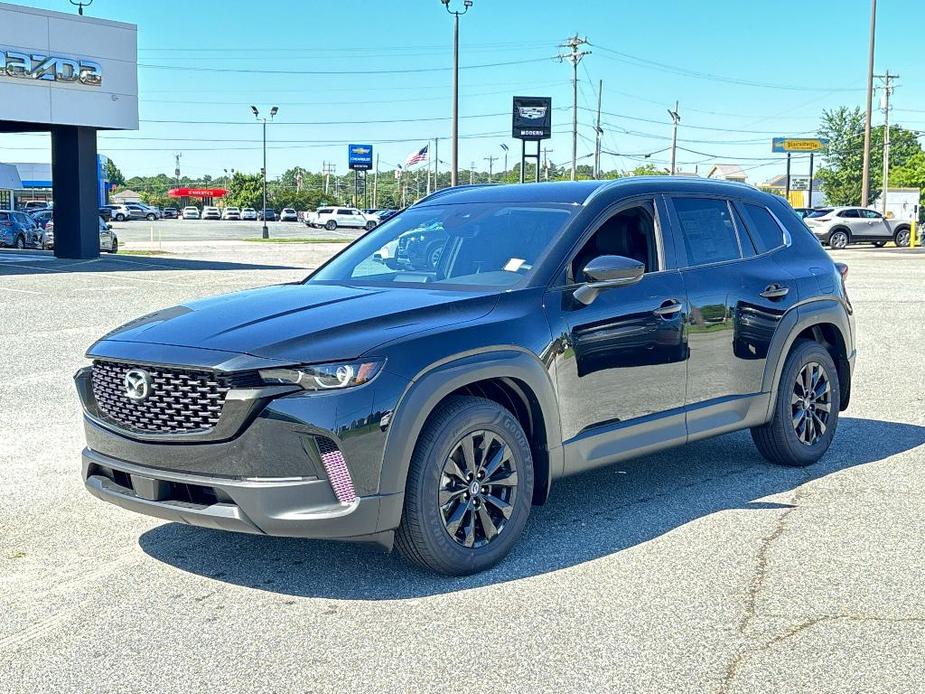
431,399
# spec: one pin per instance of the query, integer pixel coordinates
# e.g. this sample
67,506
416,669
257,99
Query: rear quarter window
763,228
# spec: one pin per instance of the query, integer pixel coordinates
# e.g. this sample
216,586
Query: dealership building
69,76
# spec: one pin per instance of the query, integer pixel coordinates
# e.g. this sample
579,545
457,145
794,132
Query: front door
872,225
623,356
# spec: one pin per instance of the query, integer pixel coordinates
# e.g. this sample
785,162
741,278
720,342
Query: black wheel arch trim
803,315
433,384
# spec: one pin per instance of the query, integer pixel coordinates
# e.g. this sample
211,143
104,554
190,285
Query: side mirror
109,227
608,271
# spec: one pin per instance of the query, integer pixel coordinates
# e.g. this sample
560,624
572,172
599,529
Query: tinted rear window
763,228
707,229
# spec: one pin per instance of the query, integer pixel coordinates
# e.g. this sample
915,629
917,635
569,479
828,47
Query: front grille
179,400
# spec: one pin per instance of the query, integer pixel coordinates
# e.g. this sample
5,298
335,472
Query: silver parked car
840,226
109,242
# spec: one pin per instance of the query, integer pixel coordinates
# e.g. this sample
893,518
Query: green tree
844,156
113,174
245,190
646,170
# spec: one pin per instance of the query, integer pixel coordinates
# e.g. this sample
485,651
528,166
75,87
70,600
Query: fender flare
433,384
826,309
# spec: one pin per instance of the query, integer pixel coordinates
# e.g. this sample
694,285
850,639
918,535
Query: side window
343,212
707,230
871,214
763,228
748,245
850,214
630,233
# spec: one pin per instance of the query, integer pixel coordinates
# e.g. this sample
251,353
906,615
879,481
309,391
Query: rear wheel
838,239
806,408
20,242
901,238
469,490
330,225
151,217
114,248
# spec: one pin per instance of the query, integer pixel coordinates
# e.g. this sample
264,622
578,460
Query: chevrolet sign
34,66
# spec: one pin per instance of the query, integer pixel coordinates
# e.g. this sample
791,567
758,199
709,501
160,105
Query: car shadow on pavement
43,262
588,516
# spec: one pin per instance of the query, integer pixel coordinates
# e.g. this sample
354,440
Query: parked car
139,211
566,326
840,226
106,214
287,214
171,213
331,218
35,205
119,213
210,212
249,213
270,214
42,217
190,212
231,213
19,230
803,212
109,242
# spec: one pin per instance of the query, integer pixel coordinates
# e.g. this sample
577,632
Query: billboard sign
798,144
532,118
359,157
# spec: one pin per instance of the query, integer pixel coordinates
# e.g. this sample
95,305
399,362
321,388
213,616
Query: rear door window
707,229
849,214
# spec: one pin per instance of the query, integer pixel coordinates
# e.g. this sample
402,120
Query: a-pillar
74,176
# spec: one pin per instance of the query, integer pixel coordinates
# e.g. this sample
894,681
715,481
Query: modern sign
532,118
35,66
65,69
798,144
360,157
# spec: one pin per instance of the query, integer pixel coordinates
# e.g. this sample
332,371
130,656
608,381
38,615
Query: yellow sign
798,144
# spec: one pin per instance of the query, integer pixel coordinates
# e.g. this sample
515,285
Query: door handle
668,308
775,291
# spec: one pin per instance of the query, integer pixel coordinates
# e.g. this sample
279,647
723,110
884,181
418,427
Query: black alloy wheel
811,403
838,239
478,489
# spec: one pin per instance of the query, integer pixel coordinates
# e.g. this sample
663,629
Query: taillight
842,270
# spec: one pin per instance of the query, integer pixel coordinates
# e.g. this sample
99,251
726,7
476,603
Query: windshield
477,245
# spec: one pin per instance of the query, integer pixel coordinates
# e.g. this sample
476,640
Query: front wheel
114,247
805,409
469,489
151,217
330,225
838,239
901,238
20,242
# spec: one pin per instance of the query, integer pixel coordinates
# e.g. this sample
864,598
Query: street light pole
454,147
265,232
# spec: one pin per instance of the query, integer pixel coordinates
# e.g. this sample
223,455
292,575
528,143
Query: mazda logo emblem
137,384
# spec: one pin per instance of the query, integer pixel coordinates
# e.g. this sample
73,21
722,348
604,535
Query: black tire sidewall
424,482
798,452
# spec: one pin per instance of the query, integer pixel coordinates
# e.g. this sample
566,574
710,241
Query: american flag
417,157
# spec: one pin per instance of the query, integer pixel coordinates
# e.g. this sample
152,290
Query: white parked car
287,214
249,213
209,212
333,217
231,213
190,212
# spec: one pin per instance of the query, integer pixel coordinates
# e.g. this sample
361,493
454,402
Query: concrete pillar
74,173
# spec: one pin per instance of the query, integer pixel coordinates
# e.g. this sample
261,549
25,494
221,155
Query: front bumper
268,471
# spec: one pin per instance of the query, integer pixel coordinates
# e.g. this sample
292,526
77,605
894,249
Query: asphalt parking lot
698,569
174,230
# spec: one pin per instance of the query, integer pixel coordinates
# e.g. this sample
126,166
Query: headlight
325,376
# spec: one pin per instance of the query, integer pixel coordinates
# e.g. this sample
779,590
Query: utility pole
546,150
491,161
376,184
504,148
574,56
436,163
887,91
599,133
675,119
865,174
472,174
176,171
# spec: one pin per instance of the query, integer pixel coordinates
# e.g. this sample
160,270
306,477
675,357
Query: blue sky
718,59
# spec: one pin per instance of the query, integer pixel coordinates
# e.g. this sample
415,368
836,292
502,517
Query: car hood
302,322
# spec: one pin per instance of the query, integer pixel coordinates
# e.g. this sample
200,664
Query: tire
781,440
456,539
120,217
370,226
901,237
151,217
330,225
115,246
879,244
839,239
20,242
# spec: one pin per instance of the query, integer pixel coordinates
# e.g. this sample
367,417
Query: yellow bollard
913,235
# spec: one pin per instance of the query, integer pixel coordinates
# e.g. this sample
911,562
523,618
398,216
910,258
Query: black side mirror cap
608,271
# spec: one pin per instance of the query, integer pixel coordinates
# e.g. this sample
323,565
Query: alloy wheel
478,489
838,240
811,403
902,238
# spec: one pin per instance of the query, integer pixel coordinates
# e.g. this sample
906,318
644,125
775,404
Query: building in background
9,184
123,196
37,183
727,172
901,203
799,190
